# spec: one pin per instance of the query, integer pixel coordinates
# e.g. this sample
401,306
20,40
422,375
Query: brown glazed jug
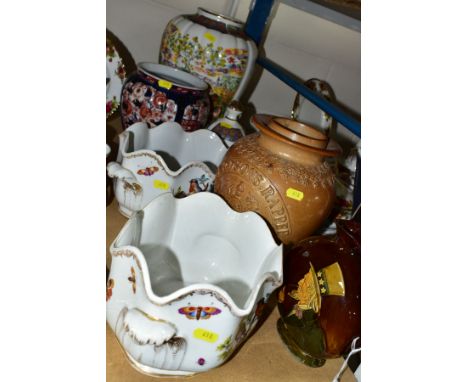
319,303
280,173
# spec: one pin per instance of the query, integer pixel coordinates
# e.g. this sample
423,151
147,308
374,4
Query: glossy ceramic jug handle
252,49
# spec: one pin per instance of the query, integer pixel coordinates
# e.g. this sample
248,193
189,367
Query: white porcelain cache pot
165,158
187,281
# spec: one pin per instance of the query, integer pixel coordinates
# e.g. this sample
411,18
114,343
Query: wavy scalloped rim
186,138
197,288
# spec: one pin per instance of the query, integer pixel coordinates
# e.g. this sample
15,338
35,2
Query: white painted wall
300,42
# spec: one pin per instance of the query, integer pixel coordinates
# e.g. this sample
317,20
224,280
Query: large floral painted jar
157,93
213,47
281,174
320,303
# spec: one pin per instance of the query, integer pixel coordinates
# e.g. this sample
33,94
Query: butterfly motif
148,171
199,312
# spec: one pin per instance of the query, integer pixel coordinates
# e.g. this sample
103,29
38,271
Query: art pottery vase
187,283
157,93
281,174
213,47
319,303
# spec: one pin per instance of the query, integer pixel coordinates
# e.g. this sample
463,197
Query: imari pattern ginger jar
214,48
186,282
156,94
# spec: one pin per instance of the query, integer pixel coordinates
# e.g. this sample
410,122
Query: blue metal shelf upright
257,21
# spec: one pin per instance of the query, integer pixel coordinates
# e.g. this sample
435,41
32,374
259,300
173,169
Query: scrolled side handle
115,170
